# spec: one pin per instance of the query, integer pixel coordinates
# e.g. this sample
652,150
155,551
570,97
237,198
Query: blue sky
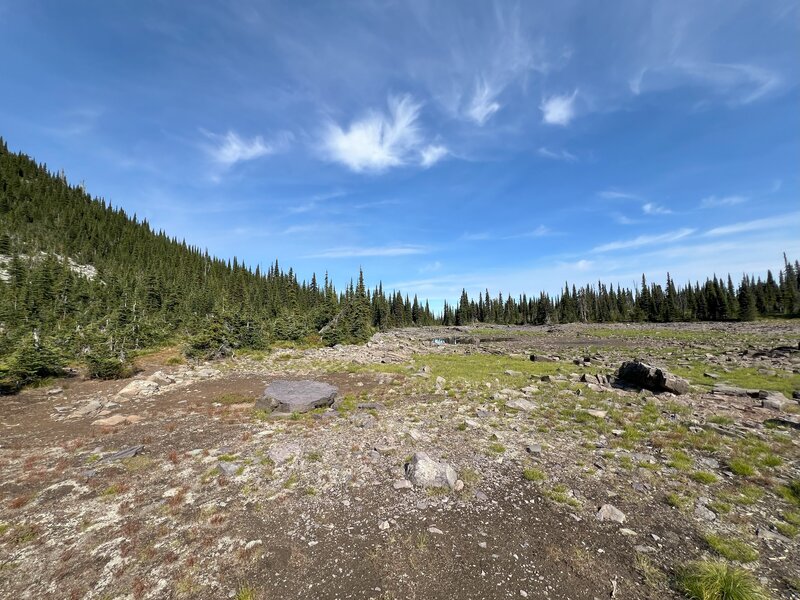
503,145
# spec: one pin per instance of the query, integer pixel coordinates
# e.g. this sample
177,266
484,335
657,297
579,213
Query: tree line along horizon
149,290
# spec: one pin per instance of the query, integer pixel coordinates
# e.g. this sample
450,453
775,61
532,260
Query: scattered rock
117,420
402,484
652,378
283,452
425,472
126,453
729,390
521,404
139,387
55,391
773,400
704,513
296,396
609,512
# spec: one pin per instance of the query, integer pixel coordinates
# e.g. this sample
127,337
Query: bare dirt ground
219,500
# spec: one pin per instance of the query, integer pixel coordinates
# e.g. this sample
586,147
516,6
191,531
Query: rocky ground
544,478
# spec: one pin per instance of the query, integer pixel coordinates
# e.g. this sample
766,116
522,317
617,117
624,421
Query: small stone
523,593
435,531
55,391
384,525
481,496
534,449
628,532
609,512
426,472
704,513
459,485
228,469
252,544
402,484
482,545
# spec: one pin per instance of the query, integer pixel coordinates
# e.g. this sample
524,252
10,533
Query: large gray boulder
296,396
425,472
652,378
773,400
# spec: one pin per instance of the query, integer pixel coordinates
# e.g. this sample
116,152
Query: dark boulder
652,378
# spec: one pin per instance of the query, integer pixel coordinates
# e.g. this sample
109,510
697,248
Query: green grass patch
731,548
534,474
478,368
678,501
704,477
228,399
741,467
496,448
786,529
747,377
680,461
718,580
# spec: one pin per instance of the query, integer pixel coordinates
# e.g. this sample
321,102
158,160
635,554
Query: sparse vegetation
718,580
731,548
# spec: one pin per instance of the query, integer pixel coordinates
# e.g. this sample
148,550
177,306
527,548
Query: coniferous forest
85,284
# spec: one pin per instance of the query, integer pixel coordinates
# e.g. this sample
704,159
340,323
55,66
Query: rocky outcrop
652,378
297,396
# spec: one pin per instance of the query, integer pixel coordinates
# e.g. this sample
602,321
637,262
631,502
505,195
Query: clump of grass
678,501
534,474
720,420
348,404
704,477
314,456
470,476
497,448
771,461
741,467
680,461
719,507
654,577
786,529
291,481
462,426
792,517
560,493
717,580
4,527
791,492
746,496
226,458
731,548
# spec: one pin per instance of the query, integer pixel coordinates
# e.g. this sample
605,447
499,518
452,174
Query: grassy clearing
747,377
480,368
717,580
654,577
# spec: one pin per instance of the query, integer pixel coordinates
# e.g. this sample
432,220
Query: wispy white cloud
432,267
482,236
365,251
756,225
431,154
556,154
559,110
651,208
624,220
379,141
483,103
229,148
715,201
645,240
613,194
739,83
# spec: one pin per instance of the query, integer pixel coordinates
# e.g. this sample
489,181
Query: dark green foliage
33,360
102,364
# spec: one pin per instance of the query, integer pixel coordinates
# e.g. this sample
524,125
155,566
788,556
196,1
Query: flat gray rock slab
297,396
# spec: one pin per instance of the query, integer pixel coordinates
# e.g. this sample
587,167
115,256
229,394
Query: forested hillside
83,282
80,280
